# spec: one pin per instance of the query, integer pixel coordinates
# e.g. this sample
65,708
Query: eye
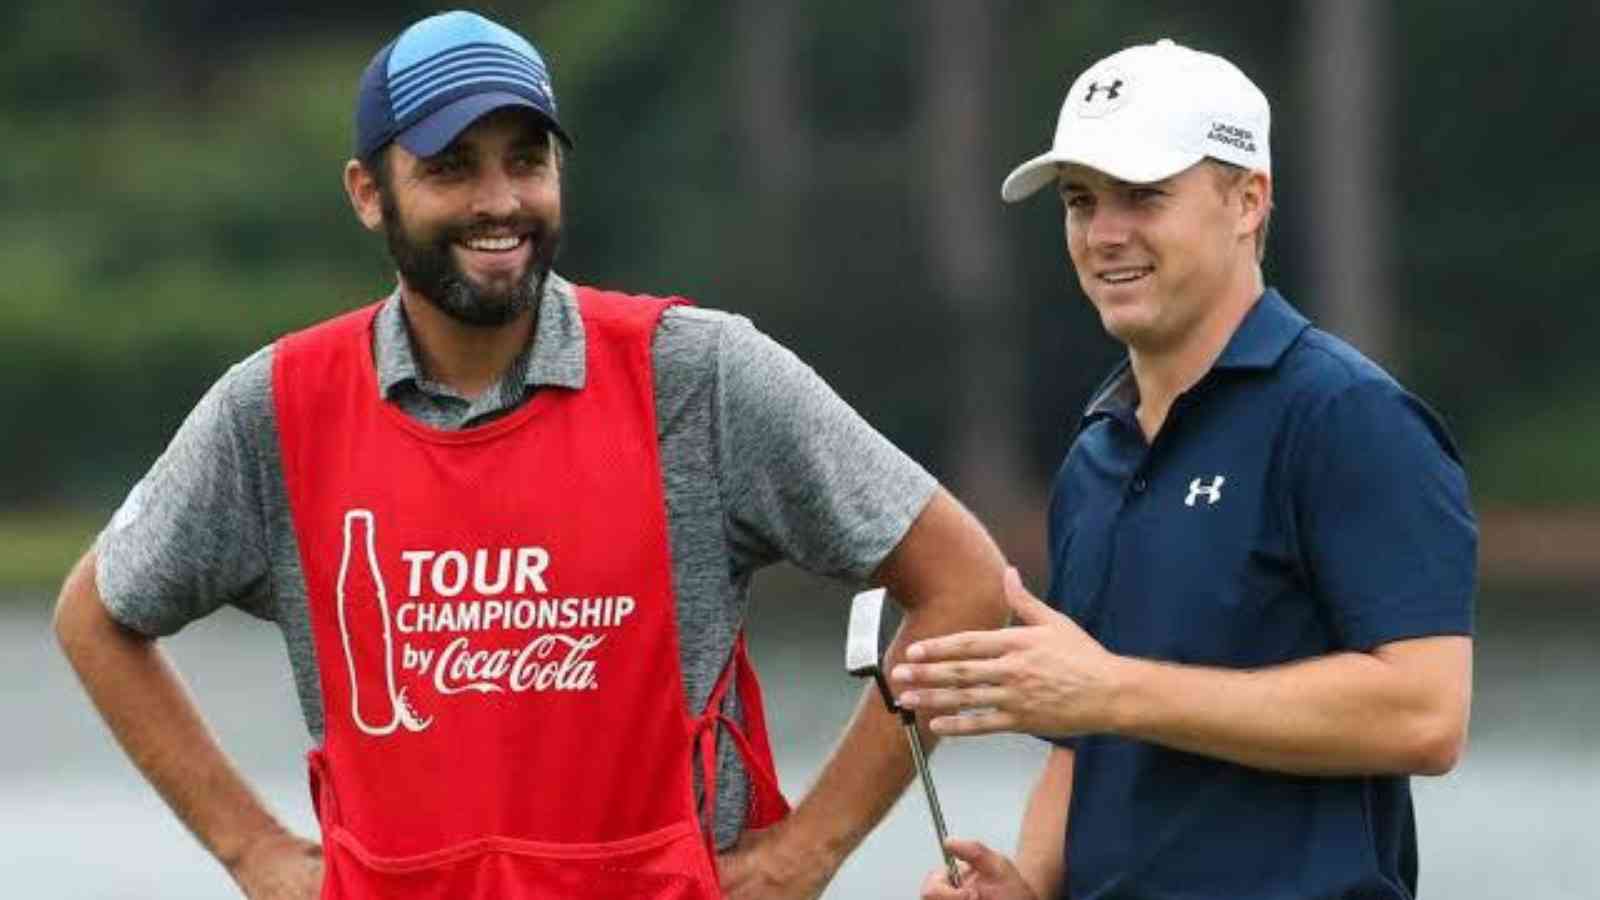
444,166
1077,201
530,160
1145,194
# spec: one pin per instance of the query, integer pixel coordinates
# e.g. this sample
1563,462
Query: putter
863,657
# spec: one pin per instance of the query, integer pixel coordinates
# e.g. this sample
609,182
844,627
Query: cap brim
1026,180
1134,167
435,132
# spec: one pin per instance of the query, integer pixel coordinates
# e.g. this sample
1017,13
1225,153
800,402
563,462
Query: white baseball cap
1149,112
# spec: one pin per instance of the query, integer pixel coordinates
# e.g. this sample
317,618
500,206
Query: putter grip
888,697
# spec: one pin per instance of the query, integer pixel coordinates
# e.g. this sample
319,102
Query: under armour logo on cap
1101,93
1113,90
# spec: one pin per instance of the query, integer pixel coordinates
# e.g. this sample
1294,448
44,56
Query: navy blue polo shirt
1296,502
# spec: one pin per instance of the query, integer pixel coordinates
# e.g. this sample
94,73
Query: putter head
861,644
863,653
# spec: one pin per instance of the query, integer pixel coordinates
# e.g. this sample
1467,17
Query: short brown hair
1228,176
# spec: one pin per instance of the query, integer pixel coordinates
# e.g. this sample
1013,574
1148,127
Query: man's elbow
985,603
1438,743
79,619
956,610
67,620
1432,681
947,569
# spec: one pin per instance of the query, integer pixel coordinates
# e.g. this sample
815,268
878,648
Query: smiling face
1157,259
473,229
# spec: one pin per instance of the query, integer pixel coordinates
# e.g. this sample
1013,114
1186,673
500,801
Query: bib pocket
671,863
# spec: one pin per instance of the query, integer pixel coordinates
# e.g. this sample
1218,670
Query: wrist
804,847
1125,708
237,853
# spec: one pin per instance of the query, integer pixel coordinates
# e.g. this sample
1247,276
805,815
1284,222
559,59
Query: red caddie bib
496,634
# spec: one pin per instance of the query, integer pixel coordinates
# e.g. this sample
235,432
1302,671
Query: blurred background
831,169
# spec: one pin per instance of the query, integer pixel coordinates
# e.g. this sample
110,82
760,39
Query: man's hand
280,867
985,875
761,866
152,714
1044,676
1400,708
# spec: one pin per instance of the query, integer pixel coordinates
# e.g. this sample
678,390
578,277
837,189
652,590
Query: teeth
494,243
1122,275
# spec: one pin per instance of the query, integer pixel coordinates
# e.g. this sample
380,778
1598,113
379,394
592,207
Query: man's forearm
144,702
946,574
1400,709
1040,858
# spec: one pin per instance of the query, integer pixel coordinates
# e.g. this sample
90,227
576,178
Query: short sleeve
804,477
1057,535
1386,526
190,538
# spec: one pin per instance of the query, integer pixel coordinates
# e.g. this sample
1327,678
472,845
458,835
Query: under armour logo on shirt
1212,492
1112,90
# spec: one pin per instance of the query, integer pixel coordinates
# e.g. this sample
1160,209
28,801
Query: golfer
1262,555
507,525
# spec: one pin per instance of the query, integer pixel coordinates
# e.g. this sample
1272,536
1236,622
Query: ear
362,188
1255,196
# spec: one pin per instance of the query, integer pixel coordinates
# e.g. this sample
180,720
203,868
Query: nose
495,193
1107,227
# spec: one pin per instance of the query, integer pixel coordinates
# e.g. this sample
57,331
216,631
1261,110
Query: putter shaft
921,759
863,657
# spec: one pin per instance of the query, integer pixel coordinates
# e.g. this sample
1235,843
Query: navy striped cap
442,74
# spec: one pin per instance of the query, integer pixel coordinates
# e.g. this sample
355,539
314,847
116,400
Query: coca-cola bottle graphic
363,604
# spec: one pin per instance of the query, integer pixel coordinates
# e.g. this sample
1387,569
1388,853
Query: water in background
1515,820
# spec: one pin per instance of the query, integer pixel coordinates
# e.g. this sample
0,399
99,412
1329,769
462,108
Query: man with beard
490,439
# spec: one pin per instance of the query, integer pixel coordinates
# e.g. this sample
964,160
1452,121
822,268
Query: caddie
507,525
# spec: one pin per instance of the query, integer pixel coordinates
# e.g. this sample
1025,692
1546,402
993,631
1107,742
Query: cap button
1164,42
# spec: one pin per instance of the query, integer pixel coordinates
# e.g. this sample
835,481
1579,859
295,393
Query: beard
428,265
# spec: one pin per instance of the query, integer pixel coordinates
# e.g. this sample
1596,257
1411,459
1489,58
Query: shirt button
1139,484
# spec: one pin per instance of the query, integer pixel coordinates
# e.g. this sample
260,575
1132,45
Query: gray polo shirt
761,461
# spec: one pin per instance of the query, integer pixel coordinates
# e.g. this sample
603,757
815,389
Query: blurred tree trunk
769,117
959,196
1348,71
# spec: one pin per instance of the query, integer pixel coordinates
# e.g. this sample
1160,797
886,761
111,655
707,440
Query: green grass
37,547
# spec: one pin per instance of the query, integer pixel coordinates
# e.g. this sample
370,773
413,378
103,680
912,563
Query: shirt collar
1266,333
1117,392
1260,341
555,358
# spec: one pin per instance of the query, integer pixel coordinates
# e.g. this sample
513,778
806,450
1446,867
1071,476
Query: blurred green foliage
40,548
174,198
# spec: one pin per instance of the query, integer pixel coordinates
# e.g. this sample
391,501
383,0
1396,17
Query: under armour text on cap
1149,112
444,73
